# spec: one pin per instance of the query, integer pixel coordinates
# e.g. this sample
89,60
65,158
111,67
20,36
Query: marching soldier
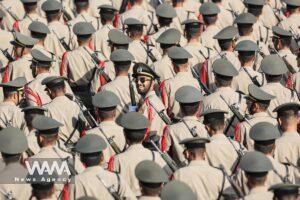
135,126
258,102
177,190
221,150
6,38
285,191
94,181
206,181
10,113
13,143
271,13
274,67
179,57
292,22
183,13
150,105
226,16
14,11
247,75
151,179
105,103
166,40
67,6
189,125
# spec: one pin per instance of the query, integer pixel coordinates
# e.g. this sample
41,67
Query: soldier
183,13
179,57
135,126
190,102
150,104
247,75
192,6
177,190
30,16
141,49
164,67
226,16
67,6
271,14
292,22
224,73
105,103
258,102
14,11
6,38
100,38
284,191
210,13
206,181
226,40
94,181
82,8
287,146
64,110
120,86
256,167
10,113
21,67
13,143
34,91
274,67
221,150
151,179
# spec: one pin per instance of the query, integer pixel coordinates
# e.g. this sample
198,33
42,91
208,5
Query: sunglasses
141,79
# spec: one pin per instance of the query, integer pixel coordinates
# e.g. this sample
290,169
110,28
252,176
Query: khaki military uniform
23,25
207,37
242,80
13,173
253,37
91,183
221,151
21,68
94,6
100,39
261,33
225,18
282,94
149,198
268,17
296,81
111,130
292,22
169,88
164,68
193,6
205,181
236,6
32,142
183,14
16,7
66,112
259,193
177,132
244,131
126,162
68,6
194,49
85,17
11,115
6,38
291,60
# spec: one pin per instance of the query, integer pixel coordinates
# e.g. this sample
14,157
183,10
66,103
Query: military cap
134,121
258,94
188,94
227,33
34,109
211,115
51,5
39,27
255,2
273,65
209,8
29,1
43,123
178,53
16,83
40,59
280,32
144,70
148,171
165,10
245,18
191,24
23,40
133,22
107,8
264,131
246,45
90,143
283,189
224,67
54,81
83,28
2,14
177,190
105,99
295,3
195,142
255,162
287,106
170,36
13,141
117,37
121,55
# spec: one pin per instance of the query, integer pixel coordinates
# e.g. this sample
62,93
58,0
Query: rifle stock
132,93
202,85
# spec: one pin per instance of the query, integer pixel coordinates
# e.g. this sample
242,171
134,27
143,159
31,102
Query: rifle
67,16
234,13
132,93
110,189
62,42
170,162
162,115
289,66
234,186
7,55
123,6
202,85
253,79
191,130
149,51
8,10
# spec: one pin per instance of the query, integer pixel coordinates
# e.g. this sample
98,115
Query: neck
291,128
194,40
179,4
219,132
40,42
247,64
84,43
122,74
107,119
9,100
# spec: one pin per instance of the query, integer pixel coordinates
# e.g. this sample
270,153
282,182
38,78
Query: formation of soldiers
151,99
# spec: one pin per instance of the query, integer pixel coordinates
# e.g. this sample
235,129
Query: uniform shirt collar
261,114
198,163
258,189
108,123
218,136
288,134
136,146
190,118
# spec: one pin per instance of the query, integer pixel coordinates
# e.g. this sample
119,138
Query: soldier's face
143,84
